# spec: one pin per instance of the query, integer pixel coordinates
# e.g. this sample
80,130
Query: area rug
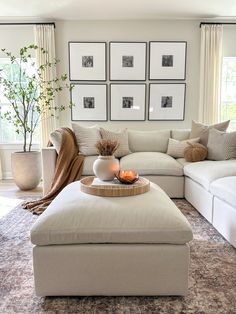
212,282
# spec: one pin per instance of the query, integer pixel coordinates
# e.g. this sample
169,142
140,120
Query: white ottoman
90,245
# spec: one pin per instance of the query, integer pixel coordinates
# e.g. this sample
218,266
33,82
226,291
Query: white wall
135,31
229,41
12,38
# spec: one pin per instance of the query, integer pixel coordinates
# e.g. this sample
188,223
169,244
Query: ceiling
116,9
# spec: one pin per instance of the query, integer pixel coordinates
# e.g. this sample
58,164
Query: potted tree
30,97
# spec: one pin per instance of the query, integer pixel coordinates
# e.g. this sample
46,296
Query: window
7,131
228,92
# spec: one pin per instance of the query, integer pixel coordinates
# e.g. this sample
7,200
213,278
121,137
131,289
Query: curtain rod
219,23
30,23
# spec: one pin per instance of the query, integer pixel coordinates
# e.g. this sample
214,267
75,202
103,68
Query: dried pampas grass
106,147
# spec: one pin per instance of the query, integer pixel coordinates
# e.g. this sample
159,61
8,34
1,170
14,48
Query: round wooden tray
139,187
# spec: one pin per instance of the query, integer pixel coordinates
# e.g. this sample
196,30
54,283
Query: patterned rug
212,284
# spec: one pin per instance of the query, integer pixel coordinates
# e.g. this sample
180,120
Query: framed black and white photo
166,101
87,61
167,60
128,61
90,102
127,102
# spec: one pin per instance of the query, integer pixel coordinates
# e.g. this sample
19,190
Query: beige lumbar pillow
202,131
122,139
176,148
87,138
221,145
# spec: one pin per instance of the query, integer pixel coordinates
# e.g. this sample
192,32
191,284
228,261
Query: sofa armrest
49,157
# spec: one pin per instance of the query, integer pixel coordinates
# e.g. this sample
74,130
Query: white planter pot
26,169
105,167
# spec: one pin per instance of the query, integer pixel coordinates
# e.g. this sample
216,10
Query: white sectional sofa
210,186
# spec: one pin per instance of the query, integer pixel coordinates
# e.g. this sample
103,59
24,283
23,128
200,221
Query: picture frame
127,61
166,101
89,102
87,61
167,60
127,102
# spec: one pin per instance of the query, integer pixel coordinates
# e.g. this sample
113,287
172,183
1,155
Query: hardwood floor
11,195
9,189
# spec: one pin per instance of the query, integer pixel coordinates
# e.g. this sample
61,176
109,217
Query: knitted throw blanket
69,166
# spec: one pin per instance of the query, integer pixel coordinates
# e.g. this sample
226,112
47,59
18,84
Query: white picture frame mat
118,92
138,71
77,71
99,92
157,50
176,112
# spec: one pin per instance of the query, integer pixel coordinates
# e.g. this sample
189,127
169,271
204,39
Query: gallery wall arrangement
127,82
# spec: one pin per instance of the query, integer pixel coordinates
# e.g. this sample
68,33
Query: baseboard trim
7,175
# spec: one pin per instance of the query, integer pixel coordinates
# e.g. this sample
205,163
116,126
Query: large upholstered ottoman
90,245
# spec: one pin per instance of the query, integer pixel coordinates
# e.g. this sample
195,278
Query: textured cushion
180,134
151,163
204,172
56,140
88,165
86,138
149,141
76,217
121,137
221,145
225,189
183,162
195,152
202,131
176,148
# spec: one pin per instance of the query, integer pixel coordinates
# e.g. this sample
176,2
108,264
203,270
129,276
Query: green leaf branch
31,96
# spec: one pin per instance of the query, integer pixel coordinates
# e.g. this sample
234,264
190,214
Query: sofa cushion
122,139
180,134
87,138
88,165
225,189
176,148
202,131
183,162
221,145
149,141
205,172
151,163
76,217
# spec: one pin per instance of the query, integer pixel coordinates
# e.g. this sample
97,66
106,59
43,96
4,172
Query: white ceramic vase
26,169
105,167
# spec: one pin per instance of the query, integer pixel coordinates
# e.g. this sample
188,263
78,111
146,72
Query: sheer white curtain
45,38
210,72
0,168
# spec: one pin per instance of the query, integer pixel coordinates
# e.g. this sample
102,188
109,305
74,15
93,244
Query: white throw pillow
87,138
56,139
221,145
176,148
149,141
122,139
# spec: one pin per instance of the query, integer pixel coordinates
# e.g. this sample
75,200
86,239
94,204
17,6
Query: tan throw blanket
69,167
